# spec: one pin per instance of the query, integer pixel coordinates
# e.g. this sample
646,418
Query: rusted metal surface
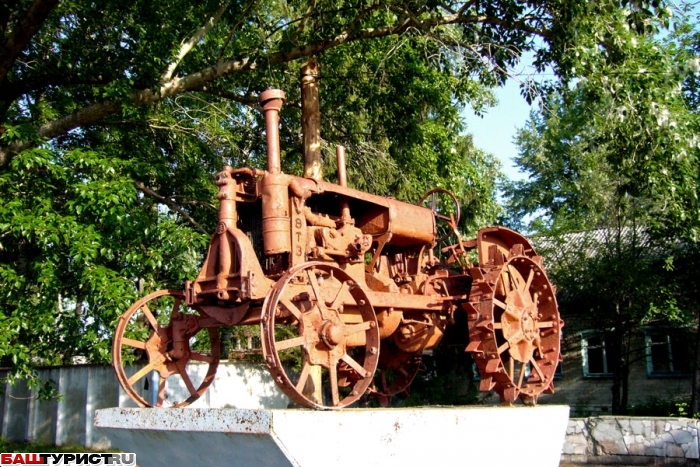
318,315
160,330
514,321
349,291
272,101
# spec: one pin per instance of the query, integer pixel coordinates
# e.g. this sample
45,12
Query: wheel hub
519,324
331,334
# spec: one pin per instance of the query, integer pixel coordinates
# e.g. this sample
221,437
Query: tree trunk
311,120
614,346
695,394
624,397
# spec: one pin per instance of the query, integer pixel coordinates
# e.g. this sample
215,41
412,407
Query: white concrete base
463,436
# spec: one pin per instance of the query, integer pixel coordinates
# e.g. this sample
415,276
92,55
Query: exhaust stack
272,101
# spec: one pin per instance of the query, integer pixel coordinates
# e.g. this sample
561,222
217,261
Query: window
596,358
668,351
558,373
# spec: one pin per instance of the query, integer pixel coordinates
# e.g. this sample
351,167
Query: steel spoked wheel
396,371
161,355
318,321
518,342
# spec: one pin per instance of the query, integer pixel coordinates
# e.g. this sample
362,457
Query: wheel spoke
503,348
499,303
176,306
141,373
529,280
354,365
289,343
511,367
149,316
305,371
200,357
291,307
339,296
335,396
315,287
522,374
181,368
537,369
133,343
514,314
359,327
161,392
515,277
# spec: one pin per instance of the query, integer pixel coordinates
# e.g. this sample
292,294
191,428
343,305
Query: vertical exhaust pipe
272,101
311,120
274,186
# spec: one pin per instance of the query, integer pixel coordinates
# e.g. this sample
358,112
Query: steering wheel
445,208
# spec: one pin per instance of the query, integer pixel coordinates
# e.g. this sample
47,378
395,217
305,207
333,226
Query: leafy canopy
115,116
613,166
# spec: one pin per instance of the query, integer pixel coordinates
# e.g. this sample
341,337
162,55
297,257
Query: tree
114,117
615,151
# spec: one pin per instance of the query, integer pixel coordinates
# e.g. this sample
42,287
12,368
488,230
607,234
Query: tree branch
12,45
235,28
187,46
196,81
147,191
250,101
302,25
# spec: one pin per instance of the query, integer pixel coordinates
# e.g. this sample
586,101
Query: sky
494,132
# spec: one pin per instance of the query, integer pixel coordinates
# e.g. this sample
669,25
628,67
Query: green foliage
623,131
682,409
114,118
76,240
656,406
105,194
612,159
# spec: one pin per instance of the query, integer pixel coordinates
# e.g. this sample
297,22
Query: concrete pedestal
463,436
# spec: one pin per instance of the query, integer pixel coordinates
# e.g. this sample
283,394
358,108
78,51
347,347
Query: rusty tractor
348,291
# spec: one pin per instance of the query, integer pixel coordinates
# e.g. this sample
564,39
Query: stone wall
630,440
